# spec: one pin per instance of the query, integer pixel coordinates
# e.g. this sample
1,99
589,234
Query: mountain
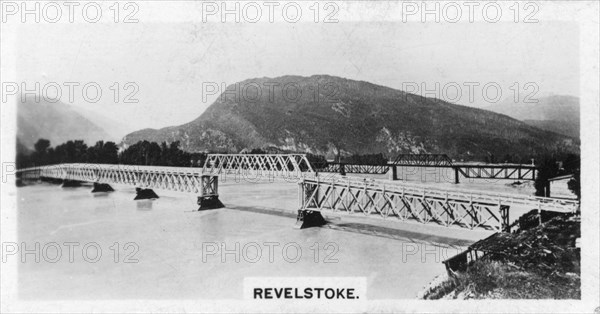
559,114
334,116
113,128
56,122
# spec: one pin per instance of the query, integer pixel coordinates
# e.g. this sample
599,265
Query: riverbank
541,262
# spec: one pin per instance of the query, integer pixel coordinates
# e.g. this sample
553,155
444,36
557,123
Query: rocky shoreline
536,262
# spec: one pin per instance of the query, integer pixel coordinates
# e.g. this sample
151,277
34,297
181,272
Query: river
166,249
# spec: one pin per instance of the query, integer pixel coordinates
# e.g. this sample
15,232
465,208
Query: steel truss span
424,160
179,179
256,165
513,172
354,168
467,170
464,208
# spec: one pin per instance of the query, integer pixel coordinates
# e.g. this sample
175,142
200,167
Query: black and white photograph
300,156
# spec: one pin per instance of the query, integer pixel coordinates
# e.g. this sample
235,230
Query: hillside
104,120
559,114
56,122
336,115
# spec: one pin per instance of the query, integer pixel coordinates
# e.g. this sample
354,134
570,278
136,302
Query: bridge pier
309,218
504,214
209,202
144,194
101,187
456,176
70,183
393,173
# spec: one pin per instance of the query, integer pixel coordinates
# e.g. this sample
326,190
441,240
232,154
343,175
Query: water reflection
144,205
100,194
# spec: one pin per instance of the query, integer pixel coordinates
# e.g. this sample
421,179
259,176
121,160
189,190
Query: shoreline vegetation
536,262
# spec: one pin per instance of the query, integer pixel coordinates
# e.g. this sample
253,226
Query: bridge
424,204
256,166
467,170
422,160
344,168
333,193
143,178
497,171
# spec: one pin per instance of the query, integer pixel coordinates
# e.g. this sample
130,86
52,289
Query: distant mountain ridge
56,122
358,117
557,113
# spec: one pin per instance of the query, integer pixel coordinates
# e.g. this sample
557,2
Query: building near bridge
559,187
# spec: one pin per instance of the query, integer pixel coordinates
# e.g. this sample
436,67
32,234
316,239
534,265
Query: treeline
142,153
367,159
154,154
551,166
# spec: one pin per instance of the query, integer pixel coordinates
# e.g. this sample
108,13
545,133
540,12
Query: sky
169,55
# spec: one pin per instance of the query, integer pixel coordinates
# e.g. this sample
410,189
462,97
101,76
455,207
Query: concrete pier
71,184
144,194
309,218
393,173
209,202
102,187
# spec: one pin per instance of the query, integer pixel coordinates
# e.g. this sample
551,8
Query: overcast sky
169,60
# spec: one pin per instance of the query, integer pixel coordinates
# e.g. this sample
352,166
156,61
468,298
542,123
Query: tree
40,155
575,184
547,169
153,154
198,159
257,151
572,165
103,153
41,146
176,156
316,161
368,159
71,152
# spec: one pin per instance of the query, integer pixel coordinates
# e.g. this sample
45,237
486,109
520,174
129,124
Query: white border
585,13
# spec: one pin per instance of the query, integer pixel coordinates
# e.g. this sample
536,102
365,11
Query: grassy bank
542,262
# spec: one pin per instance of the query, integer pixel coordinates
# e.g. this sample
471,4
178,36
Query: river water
166,249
